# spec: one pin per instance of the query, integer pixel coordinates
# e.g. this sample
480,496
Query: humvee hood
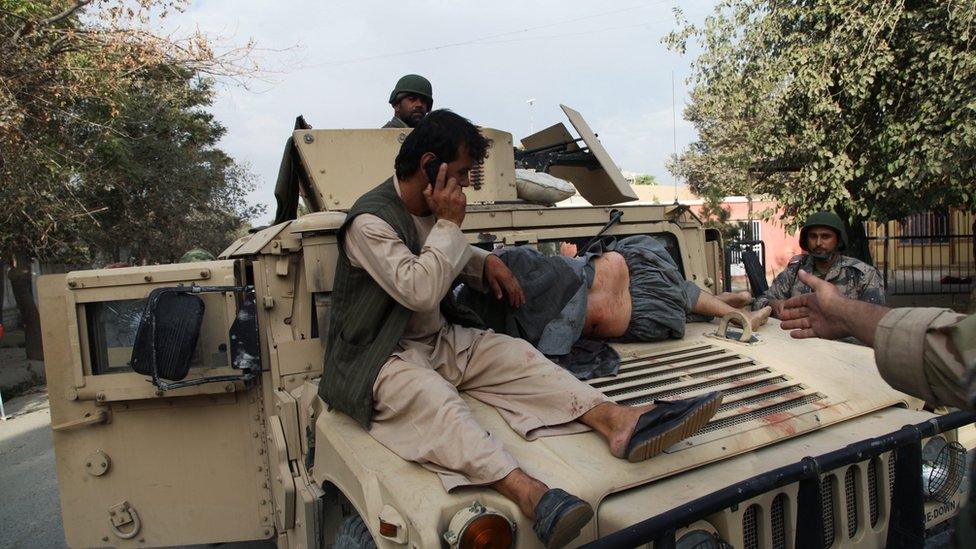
771,392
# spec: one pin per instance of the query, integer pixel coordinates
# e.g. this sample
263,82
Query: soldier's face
411,109
821,241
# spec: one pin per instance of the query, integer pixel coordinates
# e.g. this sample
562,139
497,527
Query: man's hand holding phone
444,195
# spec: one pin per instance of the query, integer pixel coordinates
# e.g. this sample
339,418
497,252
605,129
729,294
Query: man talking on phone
412,98
400,349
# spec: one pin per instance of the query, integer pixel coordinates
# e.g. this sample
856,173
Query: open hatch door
590,168
156,411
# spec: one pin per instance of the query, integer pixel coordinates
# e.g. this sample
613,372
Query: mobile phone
431,168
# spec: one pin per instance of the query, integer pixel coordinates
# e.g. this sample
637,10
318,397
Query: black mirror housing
167,334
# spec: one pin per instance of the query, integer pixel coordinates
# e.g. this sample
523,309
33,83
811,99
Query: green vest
365,323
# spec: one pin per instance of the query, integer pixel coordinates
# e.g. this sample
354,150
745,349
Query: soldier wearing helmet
196,254
412,98
823,238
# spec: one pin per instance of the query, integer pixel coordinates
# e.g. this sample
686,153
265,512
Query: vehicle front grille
873,485
846,519
850,494
777,518
891,473
750,528
827,502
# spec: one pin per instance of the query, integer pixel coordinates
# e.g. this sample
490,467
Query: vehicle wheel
353,534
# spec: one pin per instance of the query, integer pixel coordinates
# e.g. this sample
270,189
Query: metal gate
734,264
929,253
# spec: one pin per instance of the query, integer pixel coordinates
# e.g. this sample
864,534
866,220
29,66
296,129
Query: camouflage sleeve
779,289
915,349
872,287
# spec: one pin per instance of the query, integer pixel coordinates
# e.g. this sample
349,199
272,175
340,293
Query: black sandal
670,422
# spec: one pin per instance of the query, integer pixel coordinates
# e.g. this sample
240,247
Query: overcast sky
485,60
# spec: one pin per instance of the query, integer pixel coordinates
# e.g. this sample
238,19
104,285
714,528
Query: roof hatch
589,168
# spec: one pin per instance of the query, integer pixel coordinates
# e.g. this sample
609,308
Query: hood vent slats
754,395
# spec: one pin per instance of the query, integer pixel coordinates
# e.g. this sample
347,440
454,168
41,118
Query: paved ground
29,508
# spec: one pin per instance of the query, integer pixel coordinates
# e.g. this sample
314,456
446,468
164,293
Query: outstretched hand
826,313
816,314
501,280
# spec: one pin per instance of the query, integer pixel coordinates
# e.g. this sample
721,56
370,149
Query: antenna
674,137
531,103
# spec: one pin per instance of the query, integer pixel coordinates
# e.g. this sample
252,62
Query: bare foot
735,299
620,440
758,318
616,423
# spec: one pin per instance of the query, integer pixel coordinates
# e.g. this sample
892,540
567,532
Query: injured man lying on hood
627,290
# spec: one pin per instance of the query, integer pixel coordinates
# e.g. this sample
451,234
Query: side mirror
167,334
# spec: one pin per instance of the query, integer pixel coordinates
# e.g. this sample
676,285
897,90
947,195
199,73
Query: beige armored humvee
184,399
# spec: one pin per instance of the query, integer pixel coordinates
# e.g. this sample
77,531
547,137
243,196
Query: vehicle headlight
943,468
700,535
477,526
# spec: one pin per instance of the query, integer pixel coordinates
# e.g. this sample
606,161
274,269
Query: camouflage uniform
931,353
854,278
395,123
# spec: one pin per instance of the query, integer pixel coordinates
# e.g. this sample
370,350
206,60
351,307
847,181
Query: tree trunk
3,286
858,245
20,282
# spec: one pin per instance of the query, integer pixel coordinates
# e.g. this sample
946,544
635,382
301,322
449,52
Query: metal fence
916,260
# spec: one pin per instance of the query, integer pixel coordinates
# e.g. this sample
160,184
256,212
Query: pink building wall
780,244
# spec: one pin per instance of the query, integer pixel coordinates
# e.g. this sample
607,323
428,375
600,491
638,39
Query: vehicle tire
353,534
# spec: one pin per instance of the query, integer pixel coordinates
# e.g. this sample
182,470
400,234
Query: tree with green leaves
81,83
861,107
166,185
645,179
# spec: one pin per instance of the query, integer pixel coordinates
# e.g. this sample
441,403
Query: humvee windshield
112,327
111,333
668,240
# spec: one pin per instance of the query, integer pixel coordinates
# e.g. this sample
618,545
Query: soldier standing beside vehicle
412,98
823,238
927,352
397,355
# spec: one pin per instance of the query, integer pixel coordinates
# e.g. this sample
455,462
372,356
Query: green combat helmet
824,219
196,254
415,84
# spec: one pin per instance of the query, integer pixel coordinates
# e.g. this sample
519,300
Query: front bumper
906,521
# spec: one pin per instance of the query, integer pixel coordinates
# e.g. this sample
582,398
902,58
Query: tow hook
124,515
745,336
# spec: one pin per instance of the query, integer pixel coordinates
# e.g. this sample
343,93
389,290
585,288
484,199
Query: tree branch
64,14
31,26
